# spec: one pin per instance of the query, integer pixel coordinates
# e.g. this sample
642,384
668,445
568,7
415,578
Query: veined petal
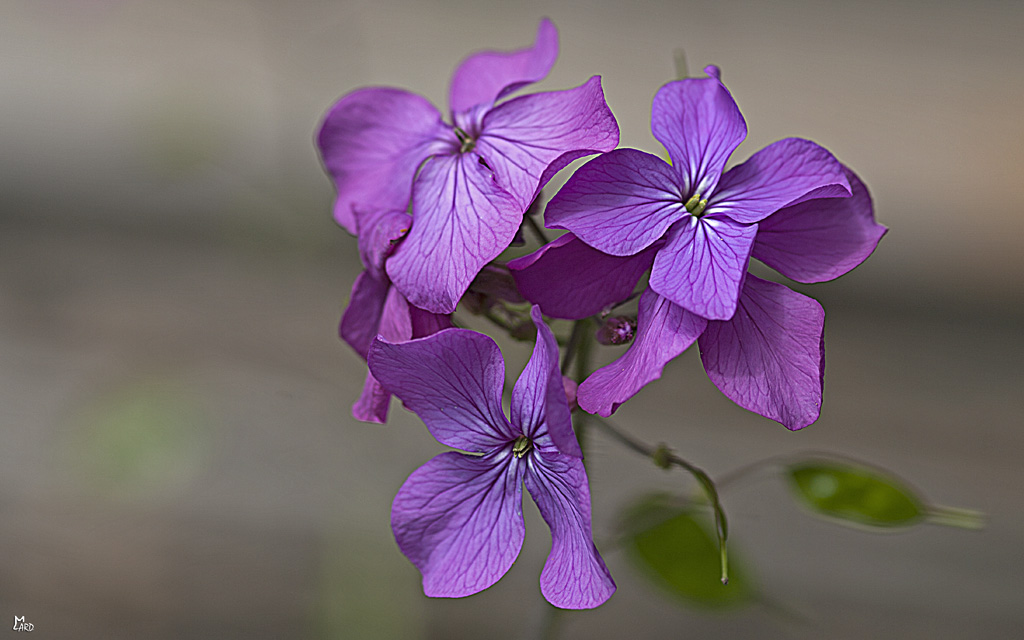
569,279
782,174
539,406
361,320
371,143
461,221
698,122
770,357
452,380
487,76
393,324
664,330
702,265
373,402
459,519
529,139
821,239
619,203
574,576
379,232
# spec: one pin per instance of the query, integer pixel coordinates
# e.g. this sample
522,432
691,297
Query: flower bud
616,330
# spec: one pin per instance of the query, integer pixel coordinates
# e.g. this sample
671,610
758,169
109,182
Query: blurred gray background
178,458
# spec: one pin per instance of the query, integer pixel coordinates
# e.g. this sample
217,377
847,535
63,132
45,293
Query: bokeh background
177,457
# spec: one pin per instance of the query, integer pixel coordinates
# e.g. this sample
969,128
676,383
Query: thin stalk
664,458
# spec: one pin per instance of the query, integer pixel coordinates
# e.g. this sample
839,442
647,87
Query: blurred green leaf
677,549
855,494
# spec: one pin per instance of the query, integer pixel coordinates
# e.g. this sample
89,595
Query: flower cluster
434,204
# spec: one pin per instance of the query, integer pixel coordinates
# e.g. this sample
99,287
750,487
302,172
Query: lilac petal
461,221
425,323
459,519
373,402
620,202
361,320
485,77
783,173
453,381
570,280
700,125
379,232
529,139
818,240
574,576
664,331
372,141
539,406
703,264
770,358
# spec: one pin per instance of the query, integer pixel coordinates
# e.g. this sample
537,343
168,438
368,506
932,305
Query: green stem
576,340
954,517
664,458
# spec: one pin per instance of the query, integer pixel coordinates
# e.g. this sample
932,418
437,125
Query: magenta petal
361,320
770,358
379,232
703,264
372,141
528,139
487,76
373,402
664,331
453,381
574,576
461,221
539,407
821,239
783,173
571,280
700,125
459,519
620,202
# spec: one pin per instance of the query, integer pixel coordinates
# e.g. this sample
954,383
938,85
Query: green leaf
855,494
677,549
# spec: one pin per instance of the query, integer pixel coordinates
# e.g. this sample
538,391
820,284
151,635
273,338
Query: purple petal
373,402
664,331
821,239
372,141
459,519
700,125
361,320
461,221
425,323
703,264
783,173
620,202
770,358
452,380
569,279
539,406
574,576
379,232
529,139
485,77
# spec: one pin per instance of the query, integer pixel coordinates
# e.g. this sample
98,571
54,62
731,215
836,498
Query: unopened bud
570,386
616,330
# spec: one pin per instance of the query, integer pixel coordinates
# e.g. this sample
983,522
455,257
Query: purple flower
377,308
468,183
703,220
459,517
768,358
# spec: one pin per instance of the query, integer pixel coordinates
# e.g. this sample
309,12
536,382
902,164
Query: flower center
696,206
467,142
521,446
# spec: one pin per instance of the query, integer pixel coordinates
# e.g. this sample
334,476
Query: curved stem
665,458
